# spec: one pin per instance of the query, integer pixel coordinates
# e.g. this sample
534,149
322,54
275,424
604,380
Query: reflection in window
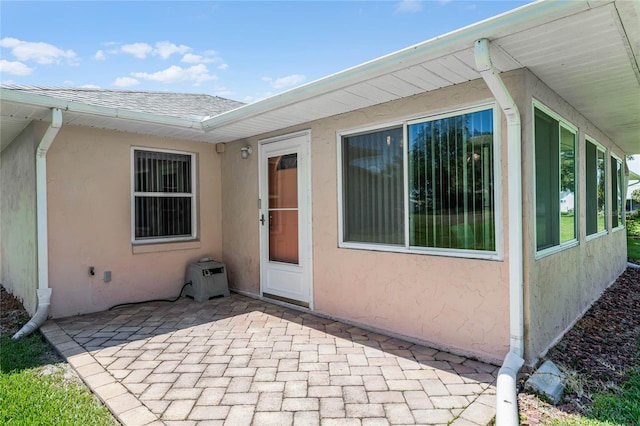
595,175
555,177
449,193
568,222
451,182
617,190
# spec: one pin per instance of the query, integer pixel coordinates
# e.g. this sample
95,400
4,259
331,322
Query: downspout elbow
41,315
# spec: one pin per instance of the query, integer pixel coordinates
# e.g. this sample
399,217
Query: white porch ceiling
588,52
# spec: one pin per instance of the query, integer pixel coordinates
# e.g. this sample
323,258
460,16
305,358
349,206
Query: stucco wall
454,303
560,287
89,191
18,241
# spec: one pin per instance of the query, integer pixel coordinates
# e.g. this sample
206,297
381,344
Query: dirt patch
596,353
12,314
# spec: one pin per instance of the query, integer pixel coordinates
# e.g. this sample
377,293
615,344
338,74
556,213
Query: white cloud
139,50
164,49
15,68
190,58
125,82
288,81
174,74
409,6
89,86
223,66
42,53
100,56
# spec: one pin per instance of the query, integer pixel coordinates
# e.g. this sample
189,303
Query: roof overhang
588,52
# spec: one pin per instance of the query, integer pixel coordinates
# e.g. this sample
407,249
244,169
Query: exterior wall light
245,151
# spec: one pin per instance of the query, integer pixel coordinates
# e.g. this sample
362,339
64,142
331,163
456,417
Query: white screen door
285,219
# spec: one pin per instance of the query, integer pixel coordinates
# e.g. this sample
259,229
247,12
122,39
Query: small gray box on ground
208,279
548,380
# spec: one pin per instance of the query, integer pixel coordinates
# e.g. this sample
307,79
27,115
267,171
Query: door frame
304,202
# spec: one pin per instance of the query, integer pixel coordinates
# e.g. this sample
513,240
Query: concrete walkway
239,361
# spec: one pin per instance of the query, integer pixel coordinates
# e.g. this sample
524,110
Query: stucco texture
89,192
561,286
449,302
18,241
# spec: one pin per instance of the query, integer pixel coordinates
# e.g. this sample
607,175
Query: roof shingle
184,105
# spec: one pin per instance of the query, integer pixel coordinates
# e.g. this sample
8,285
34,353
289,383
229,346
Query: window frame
621,202
497,254
192,195
562,122
599,148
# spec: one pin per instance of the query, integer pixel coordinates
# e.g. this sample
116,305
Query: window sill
556,249
618,228
596,235
160,247
463,254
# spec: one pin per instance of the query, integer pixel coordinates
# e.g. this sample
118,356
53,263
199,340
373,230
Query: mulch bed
598,351
12,314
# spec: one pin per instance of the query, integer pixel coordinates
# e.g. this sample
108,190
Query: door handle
262,219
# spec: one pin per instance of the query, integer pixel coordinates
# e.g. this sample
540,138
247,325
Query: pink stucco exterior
450,302
89,193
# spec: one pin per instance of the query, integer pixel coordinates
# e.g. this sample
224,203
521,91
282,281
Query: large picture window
556,195
433,193
595,176
163,196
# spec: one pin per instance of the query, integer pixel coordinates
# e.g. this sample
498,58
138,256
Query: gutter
43,291
506,395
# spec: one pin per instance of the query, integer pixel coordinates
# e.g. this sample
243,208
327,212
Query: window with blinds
596,191
420,186
163,195
617,191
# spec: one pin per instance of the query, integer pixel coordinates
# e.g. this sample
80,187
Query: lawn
36,386
633,237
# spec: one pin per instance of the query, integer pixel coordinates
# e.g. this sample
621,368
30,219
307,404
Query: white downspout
506,396
44,292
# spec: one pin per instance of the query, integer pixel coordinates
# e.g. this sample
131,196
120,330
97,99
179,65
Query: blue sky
236,49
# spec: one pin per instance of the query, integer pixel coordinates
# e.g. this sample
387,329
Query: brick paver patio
240,361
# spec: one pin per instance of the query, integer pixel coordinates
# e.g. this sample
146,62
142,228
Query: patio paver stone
242,361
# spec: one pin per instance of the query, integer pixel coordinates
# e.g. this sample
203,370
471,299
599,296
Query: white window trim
623,220
497,254
193,195
603,149
566,124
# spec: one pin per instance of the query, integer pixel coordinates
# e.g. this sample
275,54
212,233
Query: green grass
633,248
35,392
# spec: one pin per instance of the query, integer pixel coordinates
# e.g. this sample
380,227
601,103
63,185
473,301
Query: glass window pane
372,184
602,192
451,200
568,218
616,193
547,177
162,217
283,181
162,172
283,236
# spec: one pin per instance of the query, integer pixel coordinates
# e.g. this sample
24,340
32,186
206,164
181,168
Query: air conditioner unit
208,279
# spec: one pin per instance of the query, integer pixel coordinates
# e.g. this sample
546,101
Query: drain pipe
43,291
506,395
